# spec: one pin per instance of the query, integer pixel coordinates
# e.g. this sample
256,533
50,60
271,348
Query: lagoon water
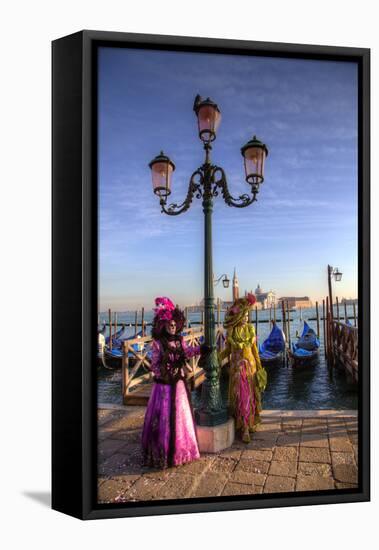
316,387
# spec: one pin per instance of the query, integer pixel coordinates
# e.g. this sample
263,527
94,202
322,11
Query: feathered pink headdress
164,308
165,311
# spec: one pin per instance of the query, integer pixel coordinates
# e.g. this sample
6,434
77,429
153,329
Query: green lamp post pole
207,182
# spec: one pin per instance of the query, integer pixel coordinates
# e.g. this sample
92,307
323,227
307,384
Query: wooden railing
133,360
345,346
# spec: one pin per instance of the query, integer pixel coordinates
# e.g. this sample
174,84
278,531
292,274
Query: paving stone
144,488
315,429
309,454
315,422
347,473
283,468
314,440
265,436
115,465
292,423
353,438
127,436
162,475
278,484
109,447
252,466
247,478
261,444
355,450
241,489
114,490
210,485
314,469
287,454
177,486
269,427
197,466
340,444
314,483
224,465
233,452
288,440
252,454
342,458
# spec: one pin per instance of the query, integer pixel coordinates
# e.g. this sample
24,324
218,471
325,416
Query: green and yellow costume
247,377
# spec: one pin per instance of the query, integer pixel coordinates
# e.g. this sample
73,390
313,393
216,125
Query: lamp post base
211,418
213,439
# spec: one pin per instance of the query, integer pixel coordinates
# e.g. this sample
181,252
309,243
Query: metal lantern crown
254,154
208,118
161,171
225,282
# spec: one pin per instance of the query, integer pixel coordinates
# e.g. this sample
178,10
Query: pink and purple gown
169,435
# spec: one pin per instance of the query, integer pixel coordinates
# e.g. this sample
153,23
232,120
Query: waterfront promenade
291,451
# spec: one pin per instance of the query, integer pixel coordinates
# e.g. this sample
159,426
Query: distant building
349,301
295,302
265,300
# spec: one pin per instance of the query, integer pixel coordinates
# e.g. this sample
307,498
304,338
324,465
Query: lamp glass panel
162,174
209,120
254,164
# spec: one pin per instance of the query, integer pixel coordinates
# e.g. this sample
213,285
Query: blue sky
306,214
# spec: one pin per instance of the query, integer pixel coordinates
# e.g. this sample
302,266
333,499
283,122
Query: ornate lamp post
207,182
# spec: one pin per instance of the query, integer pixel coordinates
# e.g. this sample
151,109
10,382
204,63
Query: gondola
102,329
272,350
112,358
116,338
305,352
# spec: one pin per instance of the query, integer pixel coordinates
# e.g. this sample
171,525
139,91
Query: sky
306,216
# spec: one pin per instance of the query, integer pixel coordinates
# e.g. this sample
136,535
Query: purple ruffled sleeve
156,358
190,351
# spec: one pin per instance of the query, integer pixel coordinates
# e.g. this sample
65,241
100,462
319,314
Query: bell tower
236,290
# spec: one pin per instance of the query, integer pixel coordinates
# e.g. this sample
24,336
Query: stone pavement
291,451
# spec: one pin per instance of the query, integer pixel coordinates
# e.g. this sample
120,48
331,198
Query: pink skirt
169,435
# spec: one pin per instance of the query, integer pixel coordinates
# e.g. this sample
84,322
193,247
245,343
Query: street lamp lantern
337,274
225,282
208,118
161,172
254,153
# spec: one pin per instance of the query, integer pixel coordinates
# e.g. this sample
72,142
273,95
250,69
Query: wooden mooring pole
289,325
355,314
143,321
256,321
323,326
345,308
338,309
218,311
284,322
318,321
135,322
110,328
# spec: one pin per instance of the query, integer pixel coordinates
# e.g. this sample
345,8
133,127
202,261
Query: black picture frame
74,272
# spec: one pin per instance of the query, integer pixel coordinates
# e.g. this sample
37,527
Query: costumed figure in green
247,377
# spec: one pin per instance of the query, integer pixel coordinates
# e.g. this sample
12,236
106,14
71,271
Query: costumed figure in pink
169,436
247,377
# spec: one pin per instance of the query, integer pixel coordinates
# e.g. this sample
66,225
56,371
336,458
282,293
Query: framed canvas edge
89,509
